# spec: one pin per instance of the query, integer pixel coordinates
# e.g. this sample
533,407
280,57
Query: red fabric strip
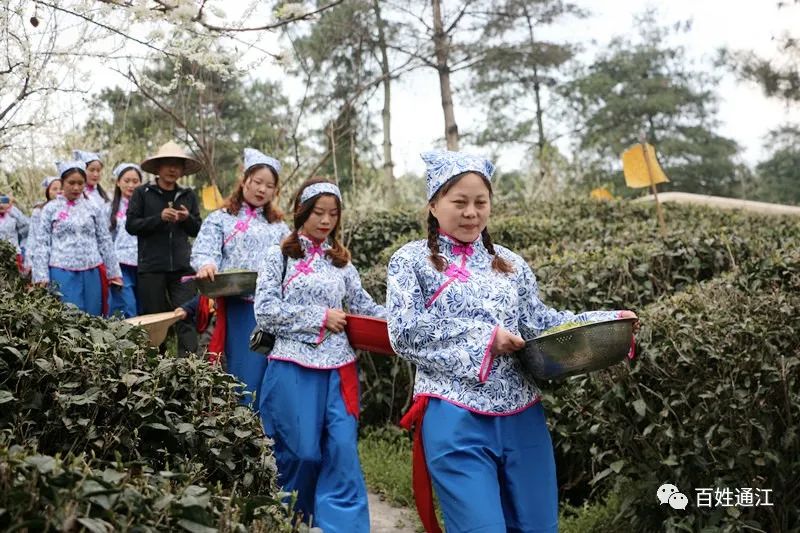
348,378
20,266
217,343
104,287
423,491
203,313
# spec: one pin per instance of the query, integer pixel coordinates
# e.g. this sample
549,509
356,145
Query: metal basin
579,350
229,284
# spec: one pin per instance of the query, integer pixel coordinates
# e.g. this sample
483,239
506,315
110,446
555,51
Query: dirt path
384,518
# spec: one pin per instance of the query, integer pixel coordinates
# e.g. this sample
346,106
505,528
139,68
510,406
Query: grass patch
386,460
597,517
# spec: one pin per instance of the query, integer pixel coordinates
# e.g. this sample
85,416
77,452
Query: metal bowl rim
587,325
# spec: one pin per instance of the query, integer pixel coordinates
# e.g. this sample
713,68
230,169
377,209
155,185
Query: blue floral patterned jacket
227,241
297,317
126,246
73,235
445,323
30,242
14,228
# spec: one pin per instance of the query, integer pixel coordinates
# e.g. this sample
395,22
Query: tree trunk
440,42
388,164
537,95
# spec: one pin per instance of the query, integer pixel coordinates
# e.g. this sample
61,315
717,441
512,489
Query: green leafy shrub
367,234
81,395
633,276
713,401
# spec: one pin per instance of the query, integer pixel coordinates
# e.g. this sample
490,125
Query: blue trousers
248,366
122,300
315,445
492,474
81,288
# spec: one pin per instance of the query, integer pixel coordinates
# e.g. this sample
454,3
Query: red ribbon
203,313
20,265
632,350
104,287
217,343
348,378
421,478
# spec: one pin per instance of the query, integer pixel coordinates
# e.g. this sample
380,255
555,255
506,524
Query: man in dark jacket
163,216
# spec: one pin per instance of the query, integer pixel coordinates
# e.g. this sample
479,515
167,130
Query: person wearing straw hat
74,250
13,227
457,307
52,188
236,237
94,170
123,300
163,216
309,397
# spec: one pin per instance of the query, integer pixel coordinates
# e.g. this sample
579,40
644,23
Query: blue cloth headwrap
48,181
86,157
320,188
442,165
65,166
253,157
122,167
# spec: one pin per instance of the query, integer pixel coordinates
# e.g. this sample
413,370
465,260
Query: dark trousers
163,291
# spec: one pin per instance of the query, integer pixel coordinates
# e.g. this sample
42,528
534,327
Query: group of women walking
457,305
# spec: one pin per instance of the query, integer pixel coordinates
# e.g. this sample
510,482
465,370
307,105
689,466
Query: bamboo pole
661,223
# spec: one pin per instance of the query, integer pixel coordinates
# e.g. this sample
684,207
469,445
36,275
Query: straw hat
155,324
171,151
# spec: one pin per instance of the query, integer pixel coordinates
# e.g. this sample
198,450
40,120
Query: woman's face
463,211
128,181
93,171
72,185
259,188
323,218
53,190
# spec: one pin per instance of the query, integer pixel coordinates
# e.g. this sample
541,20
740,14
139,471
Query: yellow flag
601,193
635,168
212,198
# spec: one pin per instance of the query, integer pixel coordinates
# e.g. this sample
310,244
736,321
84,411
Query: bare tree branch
272,26
21,95
179,121
458,18
104,26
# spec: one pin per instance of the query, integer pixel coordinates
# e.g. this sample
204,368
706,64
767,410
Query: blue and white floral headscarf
86,157
253,157
442,165
320,188
120,169
48,181
65,166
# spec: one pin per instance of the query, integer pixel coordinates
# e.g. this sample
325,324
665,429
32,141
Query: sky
744,113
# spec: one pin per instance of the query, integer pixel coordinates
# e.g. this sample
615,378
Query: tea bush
713,401
89,412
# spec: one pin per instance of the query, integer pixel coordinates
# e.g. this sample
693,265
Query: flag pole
661,223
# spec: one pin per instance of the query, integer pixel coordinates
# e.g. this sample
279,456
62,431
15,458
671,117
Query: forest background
317,85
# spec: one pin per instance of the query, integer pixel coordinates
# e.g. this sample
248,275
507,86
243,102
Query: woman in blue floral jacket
458,307
309,401
122,300
74,250
237,237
